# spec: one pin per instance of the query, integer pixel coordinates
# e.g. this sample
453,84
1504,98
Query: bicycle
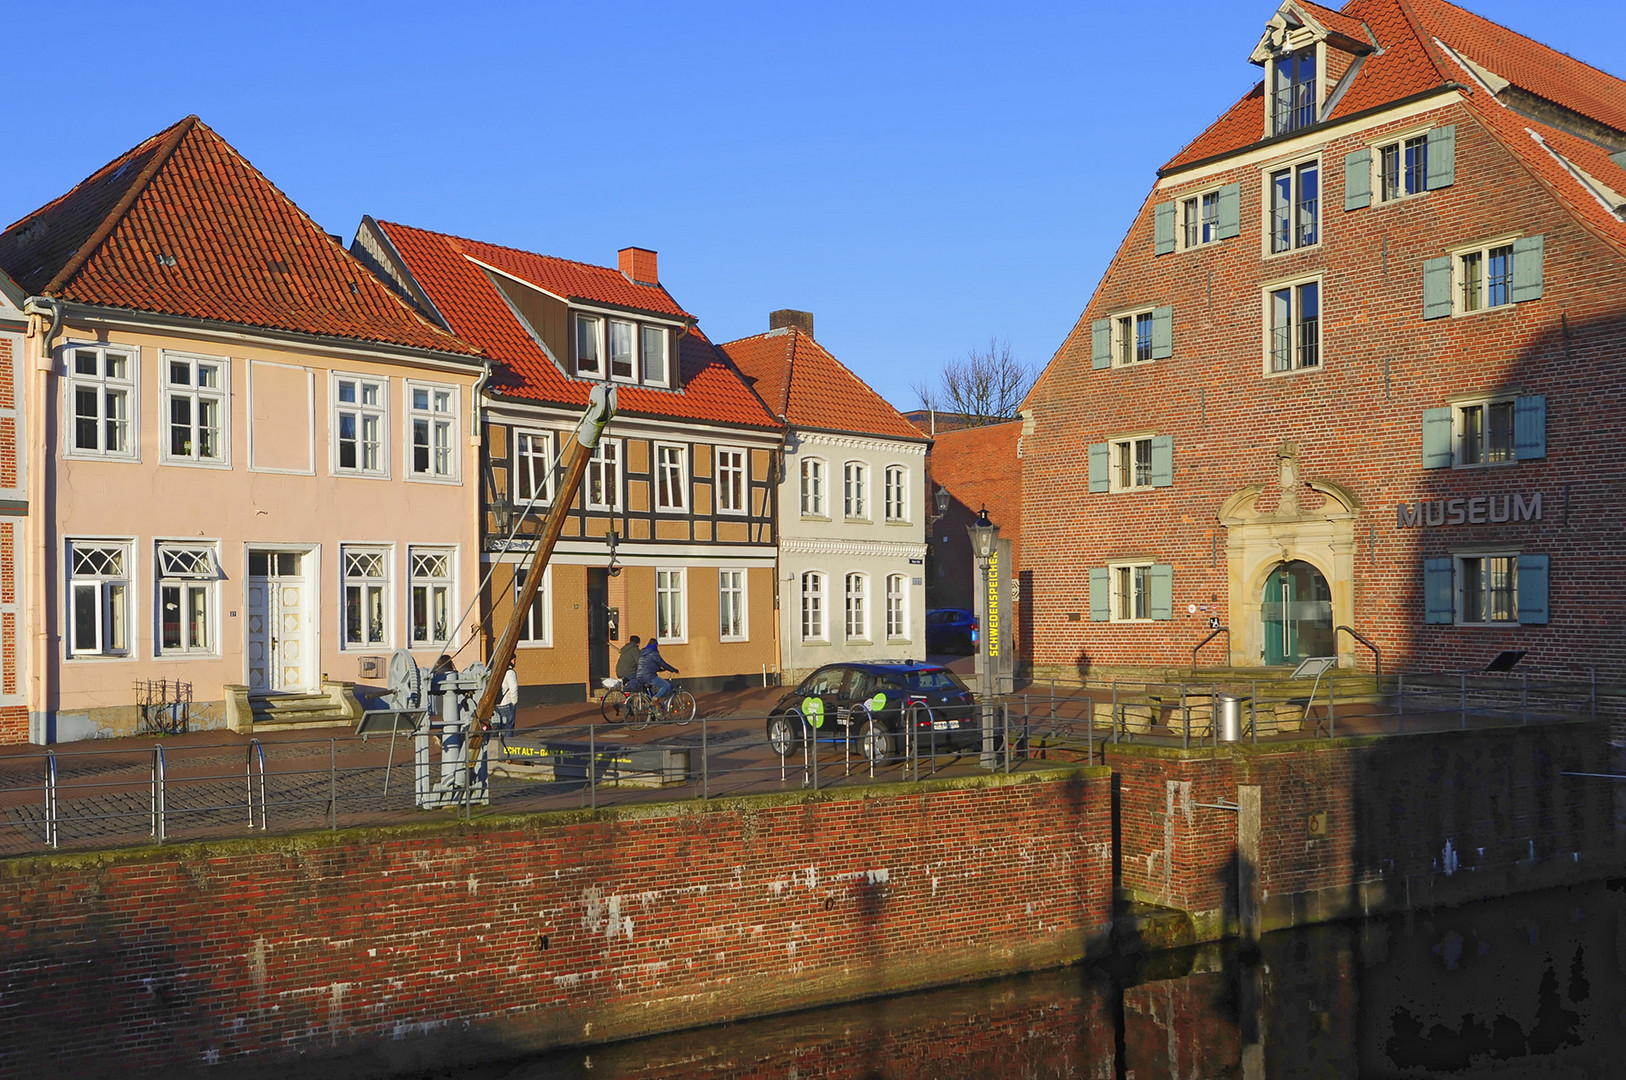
639,710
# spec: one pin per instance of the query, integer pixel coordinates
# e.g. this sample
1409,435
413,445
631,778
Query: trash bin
1228,710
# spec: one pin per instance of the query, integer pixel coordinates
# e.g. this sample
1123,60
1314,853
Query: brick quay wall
411,947
1366,824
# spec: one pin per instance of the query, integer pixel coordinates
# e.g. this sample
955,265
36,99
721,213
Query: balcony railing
1293,107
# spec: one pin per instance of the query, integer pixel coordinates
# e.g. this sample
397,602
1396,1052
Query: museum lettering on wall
1477,510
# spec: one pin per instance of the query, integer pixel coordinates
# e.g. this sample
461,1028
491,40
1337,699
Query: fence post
592,765
1114,717
1524,698
1464,702
1185,720
50,798
333,783
1213,714
1400,696
158,793
1253,710
1332,720
1593,705
705,772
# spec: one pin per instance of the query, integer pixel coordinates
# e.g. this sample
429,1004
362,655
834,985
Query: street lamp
984,536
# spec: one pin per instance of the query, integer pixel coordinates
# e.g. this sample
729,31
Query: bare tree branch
984,386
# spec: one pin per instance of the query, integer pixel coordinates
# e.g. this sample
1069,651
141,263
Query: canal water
1533,986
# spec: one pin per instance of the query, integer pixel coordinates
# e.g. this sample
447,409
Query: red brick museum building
1360,361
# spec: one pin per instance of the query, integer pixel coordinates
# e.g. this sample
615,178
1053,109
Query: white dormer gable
1306,64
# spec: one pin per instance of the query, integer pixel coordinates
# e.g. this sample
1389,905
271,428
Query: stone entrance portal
1290,567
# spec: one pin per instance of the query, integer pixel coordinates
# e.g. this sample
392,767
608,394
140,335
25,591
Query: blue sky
921,177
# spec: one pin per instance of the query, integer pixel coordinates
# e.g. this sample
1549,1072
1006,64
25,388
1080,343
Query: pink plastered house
251,467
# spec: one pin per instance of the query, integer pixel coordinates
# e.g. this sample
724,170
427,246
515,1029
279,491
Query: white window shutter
1437,438
1230,212
1160,591
1100,594
1437,287
1358,179
1163,228
1100,455
1163,461
1101,344
1528,254
1162,333
1442,156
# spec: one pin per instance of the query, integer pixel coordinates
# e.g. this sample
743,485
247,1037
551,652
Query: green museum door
1297,613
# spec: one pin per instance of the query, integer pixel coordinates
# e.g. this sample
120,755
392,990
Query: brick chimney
801,320
638,265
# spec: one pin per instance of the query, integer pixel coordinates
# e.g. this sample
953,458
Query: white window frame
1121,334
897,608
815,617
1379,186
815,474
431,583
1296,318
542,603
1116,450
1315,93
645,329
1267,204
855,606
1118,579
672,598
1459,256
219,396
378,412
385,586
895,494
855,490
609,454
445,465
1201,200
171,559
532,451
634,343
733,583
1459,586
663,473
738,466
107,586
601,363
1459,432
104,384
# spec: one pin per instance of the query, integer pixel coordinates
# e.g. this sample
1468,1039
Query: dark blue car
951,630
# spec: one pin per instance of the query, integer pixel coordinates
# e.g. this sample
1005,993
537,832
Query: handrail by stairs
1377,654
1217,631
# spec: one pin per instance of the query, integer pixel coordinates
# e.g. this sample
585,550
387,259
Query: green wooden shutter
1442,156
1160,591
1163,461
1163,228
1439,591
1528,254
1099,458
1358,179
1530,427
1230,212
1101,344
1437,438
1162,333
1100,594
1532,585
1437,286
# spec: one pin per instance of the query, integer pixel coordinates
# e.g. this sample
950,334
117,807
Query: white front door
279,622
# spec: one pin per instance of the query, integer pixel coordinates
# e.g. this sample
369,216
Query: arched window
897,607
812,606
897,493
813,487
858,606
855,489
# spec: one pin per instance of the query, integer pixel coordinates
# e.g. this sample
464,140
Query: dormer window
589,347
1294,97
655,338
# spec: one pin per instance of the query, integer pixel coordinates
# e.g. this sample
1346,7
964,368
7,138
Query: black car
951,630
875,705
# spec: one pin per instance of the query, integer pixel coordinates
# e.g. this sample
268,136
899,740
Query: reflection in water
1531,986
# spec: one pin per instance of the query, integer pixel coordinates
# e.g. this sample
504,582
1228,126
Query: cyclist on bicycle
626,662
650,665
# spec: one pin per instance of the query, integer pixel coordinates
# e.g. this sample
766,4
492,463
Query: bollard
158,794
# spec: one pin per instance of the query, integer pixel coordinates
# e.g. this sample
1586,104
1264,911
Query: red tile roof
442,266
1410,61
184,225
980,468
1336,21
809,388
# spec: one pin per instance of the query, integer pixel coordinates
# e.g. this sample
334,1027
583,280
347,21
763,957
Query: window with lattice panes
188,585
604,476
671,477
897,493
432,421
533,468
536,624
196,409
731,604
101,395
360,420
855,490
732,481
897,607
98,598
858,607
813,487
366,600
669,604
813,606
430,589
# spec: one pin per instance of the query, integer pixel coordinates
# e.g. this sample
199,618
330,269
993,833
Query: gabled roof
183,225
980,467
1415,39
809,388
449,271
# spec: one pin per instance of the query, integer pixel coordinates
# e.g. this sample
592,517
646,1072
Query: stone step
335,708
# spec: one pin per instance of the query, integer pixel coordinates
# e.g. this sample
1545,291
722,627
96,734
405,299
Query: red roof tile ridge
171,140
150,140
1338,21
1425,41
1542,46
797,334
1258,88
457,242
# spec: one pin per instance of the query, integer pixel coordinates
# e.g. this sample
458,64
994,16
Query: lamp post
985,545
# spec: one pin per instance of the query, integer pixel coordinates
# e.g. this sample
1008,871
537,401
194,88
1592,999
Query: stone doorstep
336,706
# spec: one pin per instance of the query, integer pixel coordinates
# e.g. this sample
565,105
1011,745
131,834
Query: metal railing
98,797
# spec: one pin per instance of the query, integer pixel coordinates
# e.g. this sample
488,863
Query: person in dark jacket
626,661
650,665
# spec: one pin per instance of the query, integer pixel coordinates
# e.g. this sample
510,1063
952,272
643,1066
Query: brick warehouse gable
1347,435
